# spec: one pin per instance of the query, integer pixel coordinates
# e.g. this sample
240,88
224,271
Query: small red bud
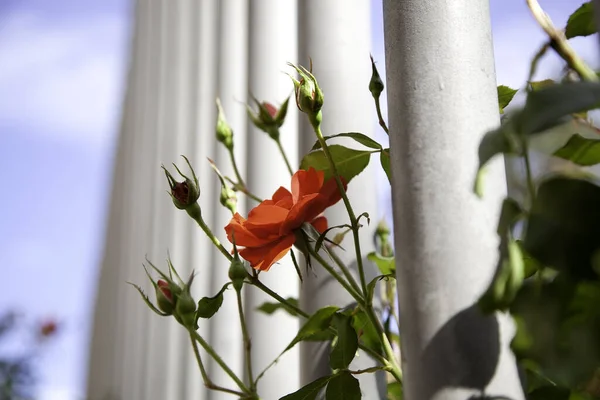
48,328
270,108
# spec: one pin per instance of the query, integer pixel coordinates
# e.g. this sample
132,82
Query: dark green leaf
384,158
371,286
345,348
563,231
317,322
581,22
493,143
581,151
270,308
558,329
505,96
349,162
510,213
310,391
394,391
549,393
364,215
531,264
323,235
549,106
367,333
386,265
359,137
343,386
208,306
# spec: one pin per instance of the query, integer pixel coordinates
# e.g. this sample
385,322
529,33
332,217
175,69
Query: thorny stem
241,184
380,116
207,382
353,220
287,161
220,361
560,44
344,269
247,342
212,237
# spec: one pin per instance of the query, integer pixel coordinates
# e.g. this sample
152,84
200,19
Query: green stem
241,184
368,370
211,352
387,346
207,382
247,342
344,269
287,161
380,116
355,294
198,218
353,220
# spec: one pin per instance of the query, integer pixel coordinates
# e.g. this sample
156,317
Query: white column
338,39
442,98
232,75
273,42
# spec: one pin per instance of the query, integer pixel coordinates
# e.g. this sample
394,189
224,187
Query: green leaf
371,286
493,143
549,393
367,333
581,151
581,22
269,308
359,137
318,322
394,391
208,306
531,264
384,158
558,329
343,386
549,106
349,162
509,215
537,85
345,348
505,96
563,231
310,391
386,265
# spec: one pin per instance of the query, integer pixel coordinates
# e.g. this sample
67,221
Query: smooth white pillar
272,43
338,39
232,78
441,99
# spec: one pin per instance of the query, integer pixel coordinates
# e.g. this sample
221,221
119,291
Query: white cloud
64,78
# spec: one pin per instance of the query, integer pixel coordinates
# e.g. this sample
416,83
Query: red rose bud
185,194
309,97
268,119
164,297
224,132
376,84
48,329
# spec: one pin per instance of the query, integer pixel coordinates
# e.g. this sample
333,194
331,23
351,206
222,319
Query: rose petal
264,257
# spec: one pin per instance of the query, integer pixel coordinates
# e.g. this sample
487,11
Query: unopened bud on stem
224,132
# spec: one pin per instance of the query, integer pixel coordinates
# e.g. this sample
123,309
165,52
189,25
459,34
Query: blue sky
62,74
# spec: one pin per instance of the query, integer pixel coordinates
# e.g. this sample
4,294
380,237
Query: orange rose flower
268,233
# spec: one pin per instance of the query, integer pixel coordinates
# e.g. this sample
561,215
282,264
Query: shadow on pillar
464,354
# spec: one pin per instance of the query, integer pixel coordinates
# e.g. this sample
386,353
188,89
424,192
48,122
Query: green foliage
346,345
358,137
581,22
349,162
386,265
208,306
316,324
343,386
384,159
581,151
310,391
270,307
505,96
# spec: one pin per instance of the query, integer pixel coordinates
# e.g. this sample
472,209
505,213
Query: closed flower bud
164,297
376,84
309,97
185,194
185,309
223,131
268,119
228,198
237,273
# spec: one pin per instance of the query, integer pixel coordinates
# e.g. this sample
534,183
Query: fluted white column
441,99
225,333
342,67
272,43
